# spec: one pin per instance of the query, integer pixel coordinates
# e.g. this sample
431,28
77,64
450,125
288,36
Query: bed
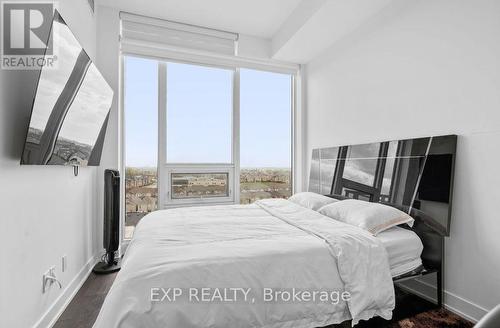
273,244
233,265
404,249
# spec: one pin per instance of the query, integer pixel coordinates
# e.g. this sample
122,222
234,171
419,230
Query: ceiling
298,30
261,18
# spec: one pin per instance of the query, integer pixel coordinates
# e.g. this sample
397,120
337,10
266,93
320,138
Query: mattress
404,248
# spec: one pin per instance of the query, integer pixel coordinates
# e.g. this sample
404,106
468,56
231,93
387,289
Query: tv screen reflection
70,109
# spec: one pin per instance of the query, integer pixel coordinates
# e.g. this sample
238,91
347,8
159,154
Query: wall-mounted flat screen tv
70,107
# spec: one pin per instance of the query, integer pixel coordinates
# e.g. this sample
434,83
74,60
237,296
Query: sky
199,115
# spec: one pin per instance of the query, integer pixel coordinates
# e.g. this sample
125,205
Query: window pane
199,114
265,135
199,185
141,139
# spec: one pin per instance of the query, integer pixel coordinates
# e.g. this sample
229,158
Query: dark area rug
433,319
414,312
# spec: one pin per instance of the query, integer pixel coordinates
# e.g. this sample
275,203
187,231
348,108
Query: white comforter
272,245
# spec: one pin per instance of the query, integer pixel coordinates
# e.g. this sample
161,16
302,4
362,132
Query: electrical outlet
64,263
47,281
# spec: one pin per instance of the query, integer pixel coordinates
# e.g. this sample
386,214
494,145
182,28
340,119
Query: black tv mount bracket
74,162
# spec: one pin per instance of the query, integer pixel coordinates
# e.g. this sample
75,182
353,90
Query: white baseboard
49,318
452,302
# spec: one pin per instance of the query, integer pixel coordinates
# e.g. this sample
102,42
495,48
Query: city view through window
255,183
265,143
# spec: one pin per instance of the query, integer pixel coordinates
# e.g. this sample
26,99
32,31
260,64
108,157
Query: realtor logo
25,34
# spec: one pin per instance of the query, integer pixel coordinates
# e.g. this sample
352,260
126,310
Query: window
199,165
199,113
141,139
198,134
199,185
265,135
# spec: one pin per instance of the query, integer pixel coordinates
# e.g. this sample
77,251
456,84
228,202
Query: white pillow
311,200
373,217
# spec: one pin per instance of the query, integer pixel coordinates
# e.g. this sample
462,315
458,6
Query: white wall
46,212
426,68
108,55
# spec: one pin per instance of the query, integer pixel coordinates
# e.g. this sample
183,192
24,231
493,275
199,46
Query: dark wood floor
417,313
84,308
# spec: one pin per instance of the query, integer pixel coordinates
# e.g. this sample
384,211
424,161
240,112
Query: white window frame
202,168
224,62
165,169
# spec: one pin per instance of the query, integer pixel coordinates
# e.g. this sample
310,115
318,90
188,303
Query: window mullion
163,179
236,135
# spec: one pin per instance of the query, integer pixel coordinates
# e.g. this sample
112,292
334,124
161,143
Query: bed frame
413,175
433,253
